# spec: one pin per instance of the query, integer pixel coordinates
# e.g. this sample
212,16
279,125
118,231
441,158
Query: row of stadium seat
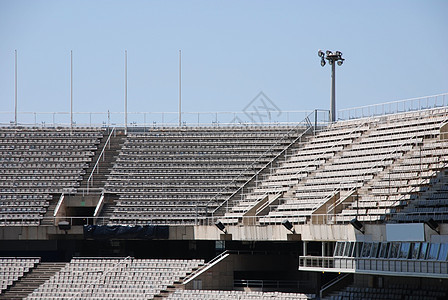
125,278
38,162
12,268
384,161
157,169
235,295
359,155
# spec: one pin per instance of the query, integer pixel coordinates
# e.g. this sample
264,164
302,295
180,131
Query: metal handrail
332,283
149,119
99,278
372,109
293,218
99,157
263,168
193,274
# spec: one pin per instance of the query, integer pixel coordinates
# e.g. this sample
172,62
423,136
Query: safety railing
404,267
91,285
195,273
202,220
394,107
336,283
153,119
157,119
272,284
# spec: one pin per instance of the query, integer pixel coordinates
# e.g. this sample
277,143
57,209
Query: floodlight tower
333,58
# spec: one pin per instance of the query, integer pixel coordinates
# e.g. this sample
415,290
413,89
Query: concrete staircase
107,210
50,210
106,161
32,280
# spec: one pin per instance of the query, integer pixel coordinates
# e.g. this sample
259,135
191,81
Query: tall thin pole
71,89
333,91
125,91
15,87
180,88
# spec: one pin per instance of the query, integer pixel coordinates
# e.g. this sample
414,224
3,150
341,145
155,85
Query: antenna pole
126,91
180,88
71,89
15,87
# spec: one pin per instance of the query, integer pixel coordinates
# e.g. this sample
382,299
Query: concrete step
107,211
50,211
32,280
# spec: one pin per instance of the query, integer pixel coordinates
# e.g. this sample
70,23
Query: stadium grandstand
311,209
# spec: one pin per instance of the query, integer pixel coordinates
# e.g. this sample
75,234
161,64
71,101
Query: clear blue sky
231,50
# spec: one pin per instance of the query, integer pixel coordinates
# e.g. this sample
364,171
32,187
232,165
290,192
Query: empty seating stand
36,163
416,175
364,167
169,175
114,278
299,164
381,160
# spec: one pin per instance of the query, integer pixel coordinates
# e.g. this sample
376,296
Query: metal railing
394,107
153,119
90,179
334,284
404,267
192,275
202,220
157,119
91,285
272,284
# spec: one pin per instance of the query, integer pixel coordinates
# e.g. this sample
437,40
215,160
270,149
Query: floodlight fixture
288,226
332,57
358,225
221,226
433,225
64,225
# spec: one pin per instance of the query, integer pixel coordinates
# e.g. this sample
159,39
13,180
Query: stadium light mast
333,58
180,88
